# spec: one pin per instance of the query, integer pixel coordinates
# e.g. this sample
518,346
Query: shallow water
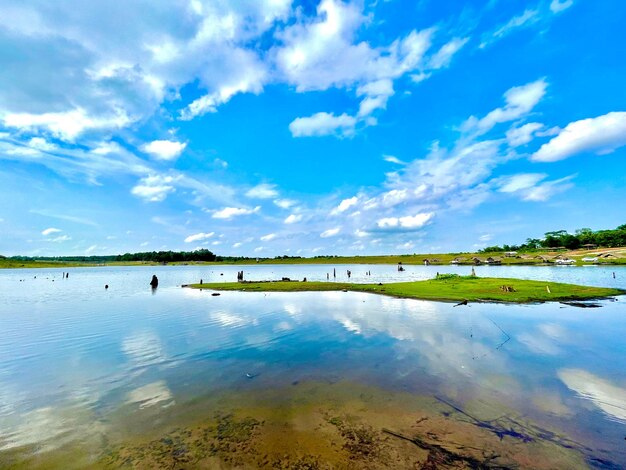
84,370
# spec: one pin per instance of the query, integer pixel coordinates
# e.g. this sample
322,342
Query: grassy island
447,287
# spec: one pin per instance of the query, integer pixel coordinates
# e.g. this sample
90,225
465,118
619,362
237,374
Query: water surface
85,371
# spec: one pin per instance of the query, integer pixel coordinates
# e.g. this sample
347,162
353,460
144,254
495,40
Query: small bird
462,303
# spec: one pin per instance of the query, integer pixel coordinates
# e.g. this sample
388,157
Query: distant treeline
147,256
561,238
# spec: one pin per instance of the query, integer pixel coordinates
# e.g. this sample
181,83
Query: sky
303,128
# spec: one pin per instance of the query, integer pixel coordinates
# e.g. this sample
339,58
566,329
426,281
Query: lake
179,378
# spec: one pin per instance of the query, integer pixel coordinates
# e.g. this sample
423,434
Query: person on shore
154,283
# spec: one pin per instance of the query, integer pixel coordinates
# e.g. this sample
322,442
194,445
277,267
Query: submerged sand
312,425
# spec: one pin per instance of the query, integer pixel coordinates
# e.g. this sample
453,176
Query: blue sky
271,127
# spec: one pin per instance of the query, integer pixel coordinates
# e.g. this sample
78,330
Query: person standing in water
154,283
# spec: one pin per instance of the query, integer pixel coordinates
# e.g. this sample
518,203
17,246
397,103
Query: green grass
447,288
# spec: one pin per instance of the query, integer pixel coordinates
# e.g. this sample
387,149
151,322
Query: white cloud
237,245
285,203
196,237
521,181
528,187
408,222
602,135
321,124
517,136
91,249
293,218
525,19
557,6
520,100
241,71
41,144
325,53
405,246
444,55
230,212
262,191
65,125
345,205
97,70
545,191
392,159
268,237
60,239
164,149
50,231
330,232
376,95
155,188
486,237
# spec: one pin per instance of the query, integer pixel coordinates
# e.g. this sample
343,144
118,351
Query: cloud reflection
151,394
610,398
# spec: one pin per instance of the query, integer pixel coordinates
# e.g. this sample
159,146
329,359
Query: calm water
72,354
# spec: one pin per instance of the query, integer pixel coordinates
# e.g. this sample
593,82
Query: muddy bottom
313,426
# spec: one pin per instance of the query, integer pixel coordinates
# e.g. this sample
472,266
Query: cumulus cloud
323,123
230,212
293,218
67,125
87,78
155,188
520,100
268,237
392,159
285,203
50,231
330,232
602,135
557,6
324,53
517,136
164,149
262,191
345,205
196,237
409,222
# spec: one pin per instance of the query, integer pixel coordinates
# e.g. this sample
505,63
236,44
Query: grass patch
445,288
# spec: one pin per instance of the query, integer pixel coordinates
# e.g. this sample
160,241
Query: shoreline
462,289
621,263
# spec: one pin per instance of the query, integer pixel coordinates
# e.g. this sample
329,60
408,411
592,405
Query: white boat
565,262
589,259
